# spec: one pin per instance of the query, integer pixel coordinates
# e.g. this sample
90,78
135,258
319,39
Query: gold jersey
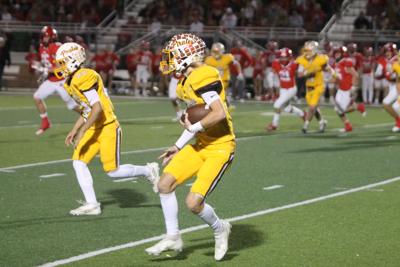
85,80
315,65
396,68
221,64
202,79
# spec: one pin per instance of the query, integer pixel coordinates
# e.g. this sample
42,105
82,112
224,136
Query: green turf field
351,229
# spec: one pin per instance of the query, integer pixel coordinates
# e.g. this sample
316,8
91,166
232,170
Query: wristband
183,139
197,127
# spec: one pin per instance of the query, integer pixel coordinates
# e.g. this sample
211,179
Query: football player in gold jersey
311,67
211,154
97,131
222,61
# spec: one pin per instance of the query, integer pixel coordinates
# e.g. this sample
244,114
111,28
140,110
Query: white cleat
154,176
167,243
87,209
322,126
396,129
221,240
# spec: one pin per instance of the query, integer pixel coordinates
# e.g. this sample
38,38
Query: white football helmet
181,51
69,58
310,49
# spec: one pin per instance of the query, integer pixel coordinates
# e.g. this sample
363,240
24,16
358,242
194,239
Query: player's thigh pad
45,89
110,146
217,159
391,96
313,96
185,164
342,100
88,146
285,95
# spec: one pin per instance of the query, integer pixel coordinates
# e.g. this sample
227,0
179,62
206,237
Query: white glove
240,77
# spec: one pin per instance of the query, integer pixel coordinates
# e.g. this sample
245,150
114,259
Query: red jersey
389,74
47,56
242,56
258,67
345,77
286,73
144,57
269,56
156,63
131,62
380,67
367,64
105,61
357,60
31,57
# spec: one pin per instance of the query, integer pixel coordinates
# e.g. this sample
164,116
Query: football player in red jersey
49,83
367,78
258,75
380,83
239,51
144,61
271,80
390,50
347,78
131,64
285,68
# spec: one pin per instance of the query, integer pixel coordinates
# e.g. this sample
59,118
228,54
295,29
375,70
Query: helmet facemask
182,51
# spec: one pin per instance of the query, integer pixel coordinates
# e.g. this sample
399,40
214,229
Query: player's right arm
69,140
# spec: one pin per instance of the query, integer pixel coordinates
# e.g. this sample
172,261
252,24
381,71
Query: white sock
169,206
129,170
85,181
306,123
297,111
275,119
208,216
43,115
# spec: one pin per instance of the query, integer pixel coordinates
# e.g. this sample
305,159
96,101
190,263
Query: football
196,113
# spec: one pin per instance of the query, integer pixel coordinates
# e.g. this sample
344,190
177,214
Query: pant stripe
118,147
220,174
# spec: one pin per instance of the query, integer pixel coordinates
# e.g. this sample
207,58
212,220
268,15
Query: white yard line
7,169
272,187
52,175
233,219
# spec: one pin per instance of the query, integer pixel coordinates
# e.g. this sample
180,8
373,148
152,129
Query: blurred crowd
380,15
89,12
308,14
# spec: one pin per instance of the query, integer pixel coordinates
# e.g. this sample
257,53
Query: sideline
233,219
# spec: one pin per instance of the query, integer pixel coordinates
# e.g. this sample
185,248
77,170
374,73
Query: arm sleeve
185,137
92,96
210,97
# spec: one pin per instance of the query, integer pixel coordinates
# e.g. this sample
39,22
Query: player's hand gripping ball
196,113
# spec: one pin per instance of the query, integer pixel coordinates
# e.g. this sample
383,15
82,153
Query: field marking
272,187
125,180
116,103
233,219
52,175
6,169
290,133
